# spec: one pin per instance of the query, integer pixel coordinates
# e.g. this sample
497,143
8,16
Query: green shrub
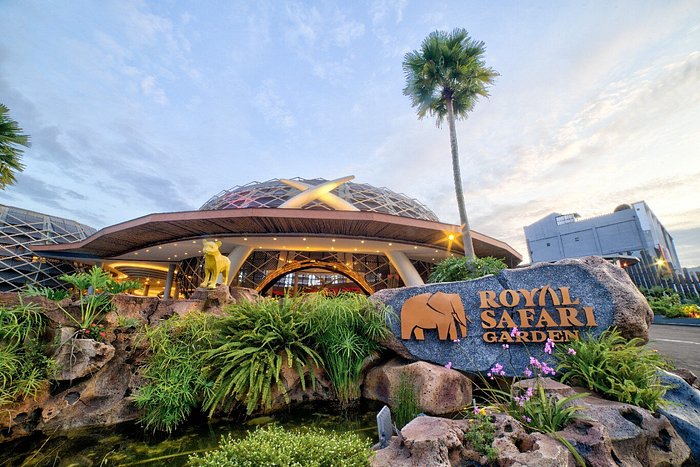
405,403
617,368
480,434
461,269
347,329
274,446
175,383
23,366
55,295
250,347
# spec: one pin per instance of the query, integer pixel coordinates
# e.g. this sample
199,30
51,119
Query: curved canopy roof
136,238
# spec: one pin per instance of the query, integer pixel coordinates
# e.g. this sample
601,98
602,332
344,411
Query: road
680,343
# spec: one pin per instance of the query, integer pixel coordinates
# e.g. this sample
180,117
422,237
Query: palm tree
11,138
445,79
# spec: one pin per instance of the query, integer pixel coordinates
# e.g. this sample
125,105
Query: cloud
382,9
272,106
150,88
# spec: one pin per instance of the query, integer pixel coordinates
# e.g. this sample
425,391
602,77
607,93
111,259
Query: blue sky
139,107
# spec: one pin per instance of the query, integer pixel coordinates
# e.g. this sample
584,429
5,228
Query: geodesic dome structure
365,197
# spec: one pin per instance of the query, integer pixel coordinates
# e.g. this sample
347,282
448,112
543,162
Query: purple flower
506,346
514,332
448,365
571,351
527,419
548,346
456,341
527,372
476,410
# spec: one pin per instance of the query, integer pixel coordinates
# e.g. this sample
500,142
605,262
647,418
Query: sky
137,107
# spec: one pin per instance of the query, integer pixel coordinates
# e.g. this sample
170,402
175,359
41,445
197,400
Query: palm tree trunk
466,232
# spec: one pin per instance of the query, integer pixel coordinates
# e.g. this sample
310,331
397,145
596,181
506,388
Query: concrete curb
676,321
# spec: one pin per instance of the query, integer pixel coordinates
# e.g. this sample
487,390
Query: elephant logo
440,311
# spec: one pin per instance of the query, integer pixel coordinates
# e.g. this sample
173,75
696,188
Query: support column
169,281
405,268
237,257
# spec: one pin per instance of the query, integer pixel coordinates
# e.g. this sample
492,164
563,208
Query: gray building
631,230
20,228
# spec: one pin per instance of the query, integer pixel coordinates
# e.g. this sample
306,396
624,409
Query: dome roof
273,193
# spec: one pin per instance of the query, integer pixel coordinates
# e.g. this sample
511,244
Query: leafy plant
175,383
481,433
615,367
405,403
23,366
347,330
55,295
461,269
251,345
275,446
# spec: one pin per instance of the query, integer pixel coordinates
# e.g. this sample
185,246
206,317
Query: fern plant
615,367
249,349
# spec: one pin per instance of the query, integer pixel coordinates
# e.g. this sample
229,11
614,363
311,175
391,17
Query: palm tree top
448,66
11,142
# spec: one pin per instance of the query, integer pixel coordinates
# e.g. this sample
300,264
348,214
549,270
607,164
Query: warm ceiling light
160,247
136,253
147,251
390,244
185,252
362,241
169,258
274,238
333,240
377,251
304,239
415,247
332,248
245,239
436,251
355,249
451,237
174,244
199,251
174,256
433,259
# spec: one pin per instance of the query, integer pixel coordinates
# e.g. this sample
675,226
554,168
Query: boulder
133,306
517,448
214,299
425,441
683,411
468,323
295,393
77,358
636,437
439,390
243,294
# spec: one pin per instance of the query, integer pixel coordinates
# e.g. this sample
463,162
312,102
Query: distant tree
445,78
11,142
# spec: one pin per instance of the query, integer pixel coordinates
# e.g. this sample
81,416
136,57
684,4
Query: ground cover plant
617,368
480,433
348,328
459,268
667,302
175,384
23,366
275,446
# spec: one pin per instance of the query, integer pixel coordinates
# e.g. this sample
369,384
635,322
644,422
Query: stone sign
506,319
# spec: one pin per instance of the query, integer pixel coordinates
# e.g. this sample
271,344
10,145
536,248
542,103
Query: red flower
102,334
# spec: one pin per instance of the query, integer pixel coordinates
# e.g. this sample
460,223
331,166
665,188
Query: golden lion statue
214,263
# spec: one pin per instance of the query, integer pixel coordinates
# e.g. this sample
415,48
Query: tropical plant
445,79
94,290
481,433
461,269
275,446
55,295
11,142
23,365
347,328
615,367
250,347
404,402
175,384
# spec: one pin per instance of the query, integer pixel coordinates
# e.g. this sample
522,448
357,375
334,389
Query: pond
127,444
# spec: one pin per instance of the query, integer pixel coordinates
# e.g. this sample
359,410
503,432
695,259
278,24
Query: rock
683,411
637,437
243,294
296,394
214,299
427,441
77,358
549,385
439,390
577,295
133,306
687,375
517,448
180,307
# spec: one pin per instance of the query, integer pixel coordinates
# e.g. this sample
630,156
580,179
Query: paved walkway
680,343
